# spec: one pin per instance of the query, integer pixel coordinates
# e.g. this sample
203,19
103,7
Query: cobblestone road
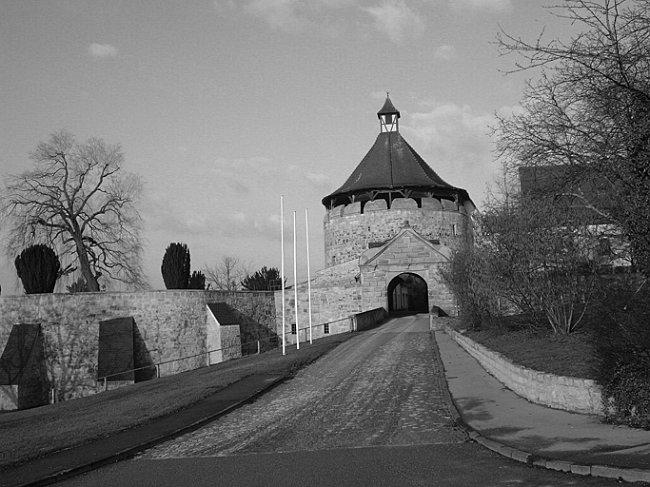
383,387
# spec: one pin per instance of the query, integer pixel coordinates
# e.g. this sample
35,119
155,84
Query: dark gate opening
408,294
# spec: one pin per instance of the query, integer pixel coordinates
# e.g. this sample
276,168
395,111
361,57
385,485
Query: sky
222,106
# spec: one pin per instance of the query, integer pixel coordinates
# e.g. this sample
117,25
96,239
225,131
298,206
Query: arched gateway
408,294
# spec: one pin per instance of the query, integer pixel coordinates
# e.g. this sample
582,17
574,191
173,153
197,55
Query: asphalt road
375,411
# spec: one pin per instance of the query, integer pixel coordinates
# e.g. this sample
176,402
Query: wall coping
572,394
134,293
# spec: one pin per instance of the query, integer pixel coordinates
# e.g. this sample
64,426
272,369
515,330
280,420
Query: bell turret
388,117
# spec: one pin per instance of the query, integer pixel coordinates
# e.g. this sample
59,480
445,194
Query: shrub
197,280
468,277
264,279
78,286
622,347
175,266
38,268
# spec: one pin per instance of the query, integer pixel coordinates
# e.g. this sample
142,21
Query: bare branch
78,200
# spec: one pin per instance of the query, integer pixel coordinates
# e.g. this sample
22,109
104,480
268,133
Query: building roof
391,164
388,108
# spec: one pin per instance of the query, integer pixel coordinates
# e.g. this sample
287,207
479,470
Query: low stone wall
172,324
567,393
369,319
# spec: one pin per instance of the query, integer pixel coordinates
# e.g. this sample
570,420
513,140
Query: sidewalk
510,425
66,463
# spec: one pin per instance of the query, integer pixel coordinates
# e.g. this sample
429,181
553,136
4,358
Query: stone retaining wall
567,393
172,324
369,319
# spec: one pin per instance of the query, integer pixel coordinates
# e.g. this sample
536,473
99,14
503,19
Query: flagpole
284,352
308,272
295,281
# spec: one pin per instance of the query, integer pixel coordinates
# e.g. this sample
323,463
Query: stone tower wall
348,232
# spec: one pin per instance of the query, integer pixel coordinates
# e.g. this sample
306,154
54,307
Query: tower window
388,119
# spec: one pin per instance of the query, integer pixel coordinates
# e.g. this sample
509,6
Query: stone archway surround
410,253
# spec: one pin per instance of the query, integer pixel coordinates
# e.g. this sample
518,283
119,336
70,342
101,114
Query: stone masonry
172,324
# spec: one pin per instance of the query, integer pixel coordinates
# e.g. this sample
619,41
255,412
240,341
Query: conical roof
388,108
392,166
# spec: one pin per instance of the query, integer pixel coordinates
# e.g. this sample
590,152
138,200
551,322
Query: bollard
52,396
105,384
258,347
157,371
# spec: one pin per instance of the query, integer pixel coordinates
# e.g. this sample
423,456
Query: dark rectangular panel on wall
22,343
223,313
115,349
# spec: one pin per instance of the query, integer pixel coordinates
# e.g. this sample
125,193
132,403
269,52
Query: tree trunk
86,271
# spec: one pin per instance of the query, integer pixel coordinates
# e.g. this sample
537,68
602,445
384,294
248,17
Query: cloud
396,20
102,50
393,18
455,142
249,225
280,14
445,53
494,5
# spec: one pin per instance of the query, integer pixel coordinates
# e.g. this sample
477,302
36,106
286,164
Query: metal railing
157,365
104,379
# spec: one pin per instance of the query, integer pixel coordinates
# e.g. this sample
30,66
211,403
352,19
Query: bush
78,286
622,347
468,277
38,268
197,280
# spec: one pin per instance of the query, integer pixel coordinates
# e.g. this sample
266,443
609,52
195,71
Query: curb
604,471
134,450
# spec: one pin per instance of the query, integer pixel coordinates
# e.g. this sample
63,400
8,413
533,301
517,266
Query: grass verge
566,355
35,432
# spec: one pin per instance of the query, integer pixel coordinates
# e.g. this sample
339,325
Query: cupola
388,117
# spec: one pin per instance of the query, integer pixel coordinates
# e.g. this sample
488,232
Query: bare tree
227,274
542,256
78,199
590,111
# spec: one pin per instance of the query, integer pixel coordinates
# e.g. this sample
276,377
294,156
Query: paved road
375,411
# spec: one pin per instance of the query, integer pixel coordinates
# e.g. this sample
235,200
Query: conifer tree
175,266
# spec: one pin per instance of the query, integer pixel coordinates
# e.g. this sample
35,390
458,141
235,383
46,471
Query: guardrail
156,366
104,379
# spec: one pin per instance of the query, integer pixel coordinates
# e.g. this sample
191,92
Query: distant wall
172,324
335,297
